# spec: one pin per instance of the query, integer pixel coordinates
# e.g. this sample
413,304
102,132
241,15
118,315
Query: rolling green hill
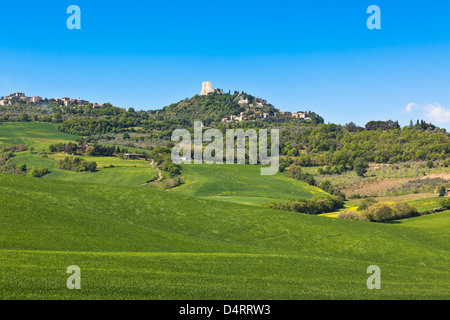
136,243
42,135
232,183
33,134
241,184
140,243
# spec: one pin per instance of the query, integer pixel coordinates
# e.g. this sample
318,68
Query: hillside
143,244
41,135
241,184
214,107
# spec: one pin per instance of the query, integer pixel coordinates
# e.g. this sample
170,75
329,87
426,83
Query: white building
35,99
206,88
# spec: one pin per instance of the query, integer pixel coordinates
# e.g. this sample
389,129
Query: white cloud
434,112
437,113
409,107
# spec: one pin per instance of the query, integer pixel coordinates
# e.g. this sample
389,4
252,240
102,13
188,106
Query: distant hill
212,109
218,107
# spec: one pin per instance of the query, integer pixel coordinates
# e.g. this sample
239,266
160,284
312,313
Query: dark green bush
76,164
317,205
445,203
38,172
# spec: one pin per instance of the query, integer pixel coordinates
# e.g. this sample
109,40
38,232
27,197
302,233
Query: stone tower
206,88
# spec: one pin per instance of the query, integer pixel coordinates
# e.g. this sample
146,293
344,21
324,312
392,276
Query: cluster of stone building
21,97
298,115
255,115
259,103
251,113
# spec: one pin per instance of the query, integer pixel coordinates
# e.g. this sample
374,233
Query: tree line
317,205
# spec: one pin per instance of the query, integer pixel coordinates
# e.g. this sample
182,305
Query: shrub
403,210
76,164
170,167
366,203
445,203
295,171
378,212
172,183
301,205
348,214
38,172
318,205
91,166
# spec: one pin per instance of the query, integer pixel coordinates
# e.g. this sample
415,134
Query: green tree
90,151
445,203
91,166
23,168
24,117
442,191
360,165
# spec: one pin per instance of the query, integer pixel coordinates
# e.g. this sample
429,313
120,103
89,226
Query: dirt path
159,175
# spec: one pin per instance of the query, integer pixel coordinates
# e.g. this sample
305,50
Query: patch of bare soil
406,197
379,187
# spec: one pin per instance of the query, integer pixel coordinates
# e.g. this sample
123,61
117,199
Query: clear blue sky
313,55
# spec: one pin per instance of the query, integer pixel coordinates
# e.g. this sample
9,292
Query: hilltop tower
206,88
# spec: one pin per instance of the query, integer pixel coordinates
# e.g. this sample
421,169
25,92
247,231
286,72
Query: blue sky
299,55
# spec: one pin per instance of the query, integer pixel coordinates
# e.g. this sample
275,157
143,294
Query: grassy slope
145,244
435,226
232,183
241,184
41,135
33,134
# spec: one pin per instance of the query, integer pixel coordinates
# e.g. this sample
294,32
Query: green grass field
241,184
134,243
141,243
41,135
33,134
125,172
231,183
